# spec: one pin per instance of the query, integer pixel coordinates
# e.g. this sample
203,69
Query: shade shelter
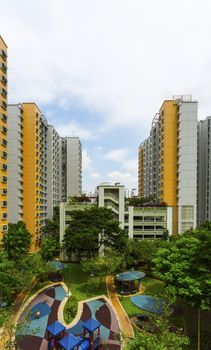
70,342
129,282
55,331
91,326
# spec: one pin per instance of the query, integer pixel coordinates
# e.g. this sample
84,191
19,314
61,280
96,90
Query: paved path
123,319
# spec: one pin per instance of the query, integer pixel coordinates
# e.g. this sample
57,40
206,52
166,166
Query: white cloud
117,155
86,160
73,129
116,58
131,165
127,179
95,175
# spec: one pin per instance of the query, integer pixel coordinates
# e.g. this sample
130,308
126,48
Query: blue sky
100,69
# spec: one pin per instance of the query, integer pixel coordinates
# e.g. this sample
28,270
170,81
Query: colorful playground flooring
43,310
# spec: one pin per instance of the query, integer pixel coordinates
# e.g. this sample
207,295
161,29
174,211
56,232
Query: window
4,142
4,167
4,192
187,212
4,228
4,204
4,216
4,117
4,155
4,179
4,105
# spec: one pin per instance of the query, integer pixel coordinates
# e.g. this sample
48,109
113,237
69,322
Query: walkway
124,321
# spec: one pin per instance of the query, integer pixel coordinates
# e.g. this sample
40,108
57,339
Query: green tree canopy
90,228
185,266
50,248
51,227
17,241
103,265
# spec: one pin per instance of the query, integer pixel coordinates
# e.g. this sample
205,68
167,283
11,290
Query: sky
100,70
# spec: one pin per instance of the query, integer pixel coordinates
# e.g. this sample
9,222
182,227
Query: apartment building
173,162
204,171
3,140
140,222
74,166
27,180
53,169
15,163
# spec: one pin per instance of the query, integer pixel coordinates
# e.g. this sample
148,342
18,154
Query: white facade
187,165
204,171
74,166
15,163
113,197
53,170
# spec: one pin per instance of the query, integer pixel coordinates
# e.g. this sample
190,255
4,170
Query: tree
90,228
142,251
51,227
50,248
156,334
185,266
7,279
168,341
17,241
103,265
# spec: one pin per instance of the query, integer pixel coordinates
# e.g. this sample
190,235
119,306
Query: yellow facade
168,139
32,171
140,155
3,140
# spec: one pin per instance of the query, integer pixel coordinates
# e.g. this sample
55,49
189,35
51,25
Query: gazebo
55,331
126,282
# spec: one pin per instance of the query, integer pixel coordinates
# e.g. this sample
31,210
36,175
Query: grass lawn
153,287
81,285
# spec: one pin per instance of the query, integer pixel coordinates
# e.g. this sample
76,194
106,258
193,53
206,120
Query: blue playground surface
148,303
42,315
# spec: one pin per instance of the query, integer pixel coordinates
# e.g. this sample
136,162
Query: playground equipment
91,326
55,332
92,342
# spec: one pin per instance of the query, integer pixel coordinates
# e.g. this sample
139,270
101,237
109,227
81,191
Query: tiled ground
48,302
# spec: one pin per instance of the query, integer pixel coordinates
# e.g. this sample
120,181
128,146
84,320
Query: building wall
53,170
168,122
187,165
169,161
3,140
140,177
204,171
74,166
15,163
32,175
113,197
149,222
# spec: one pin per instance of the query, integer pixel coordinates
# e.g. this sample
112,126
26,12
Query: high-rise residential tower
3,140
53,169
74,164
15,163
172,155
204,171
27,180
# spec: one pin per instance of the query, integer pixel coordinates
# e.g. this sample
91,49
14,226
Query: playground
96,327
